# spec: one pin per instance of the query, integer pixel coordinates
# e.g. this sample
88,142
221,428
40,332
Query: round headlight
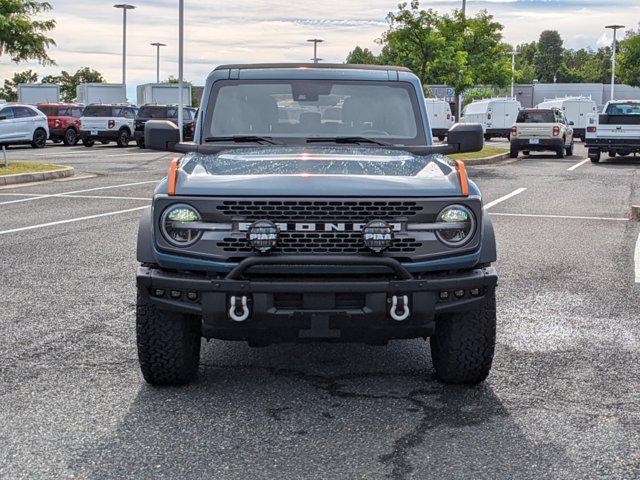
377,236
462,231
175,225
263,236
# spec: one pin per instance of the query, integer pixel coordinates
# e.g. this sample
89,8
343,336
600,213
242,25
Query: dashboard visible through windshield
294,111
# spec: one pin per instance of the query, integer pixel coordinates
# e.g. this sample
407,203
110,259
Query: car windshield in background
49,111
623,109
306,109
538,116
97,111
158,112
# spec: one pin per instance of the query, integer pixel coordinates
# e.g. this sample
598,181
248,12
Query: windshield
536,116
97,111
304,109
623,109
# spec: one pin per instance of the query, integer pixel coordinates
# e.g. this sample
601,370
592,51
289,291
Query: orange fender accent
173,176
462,175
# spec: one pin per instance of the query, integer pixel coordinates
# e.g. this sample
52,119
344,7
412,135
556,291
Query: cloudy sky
220,31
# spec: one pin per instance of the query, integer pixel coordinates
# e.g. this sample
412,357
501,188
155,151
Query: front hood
317,171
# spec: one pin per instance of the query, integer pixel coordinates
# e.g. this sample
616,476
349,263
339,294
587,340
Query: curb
501,157
35,176
635,213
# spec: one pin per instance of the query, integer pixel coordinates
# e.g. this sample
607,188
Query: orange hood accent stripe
173,176
462,175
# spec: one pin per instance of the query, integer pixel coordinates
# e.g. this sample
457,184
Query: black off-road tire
594,155
513,153
569,150
441,138
526,153
124,137
463,344
140,144
168,344
70,137
39,138
560,152
88,143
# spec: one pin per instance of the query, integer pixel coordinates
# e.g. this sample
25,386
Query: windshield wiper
243,139
354,140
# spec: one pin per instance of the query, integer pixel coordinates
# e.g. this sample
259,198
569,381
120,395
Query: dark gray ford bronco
312,206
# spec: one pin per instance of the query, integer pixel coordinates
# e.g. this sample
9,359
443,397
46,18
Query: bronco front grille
295,210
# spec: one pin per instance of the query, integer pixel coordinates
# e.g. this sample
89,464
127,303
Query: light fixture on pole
615,29
181,68
315,42
513,72
158,45
124,8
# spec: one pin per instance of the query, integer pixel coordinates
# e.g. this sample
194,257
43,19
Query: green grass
26,167
484,153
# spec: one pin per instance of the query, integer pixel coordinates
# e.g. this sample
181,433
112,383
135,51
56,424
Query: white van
496,115
576,109
440,117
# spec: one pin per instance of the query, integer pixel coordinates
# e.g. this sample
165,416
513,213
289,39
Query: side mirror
465,138
161,135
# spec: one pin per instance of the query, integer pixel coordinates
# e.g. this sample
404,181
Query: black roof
341,66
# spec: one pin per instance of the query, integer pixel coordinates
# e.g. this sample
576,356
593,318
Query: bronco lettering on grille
317,227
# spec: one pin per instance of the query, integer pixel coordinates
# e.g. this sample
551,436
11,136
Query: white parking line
71,220
502,199
97,197
571,217
577,165
78,192
637,260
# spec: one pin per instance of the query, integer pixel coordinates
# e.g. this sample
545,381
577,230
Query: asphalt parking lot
562,401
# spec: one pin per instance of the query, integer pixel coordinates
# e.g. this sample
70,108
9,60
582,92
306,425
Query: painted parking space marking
502,199
96,197
54,195
637,260
577,165
570,217
72,220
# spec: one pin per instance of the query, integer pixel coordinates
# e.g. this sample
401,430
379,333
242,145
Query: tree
10,90
362,56
549,58
630,61
22,37
68,82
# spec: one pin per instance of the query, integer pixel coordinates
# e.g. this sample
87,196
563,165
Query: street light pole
513,72
458,94
315,42
158,45
124,8
464,8
615,29
181,69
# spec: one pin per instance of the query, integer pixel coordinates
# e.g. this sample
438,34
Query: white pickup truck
616,130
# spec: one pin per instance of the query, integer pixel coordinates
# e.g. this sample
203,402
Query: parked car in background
496,115
616,130
576,109
107,123
64,121
23,124
440,117
539,129
164,112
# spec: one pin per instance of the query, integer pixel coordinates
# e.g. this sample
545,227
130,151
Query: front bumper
543,145
100,135
340,309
